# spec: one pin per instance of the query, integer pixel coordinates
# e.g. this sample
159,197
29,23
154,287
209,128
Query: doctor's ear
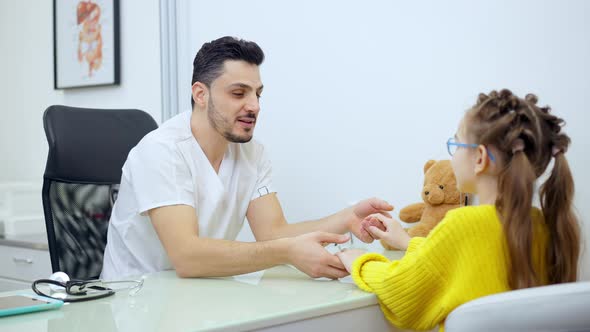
200,94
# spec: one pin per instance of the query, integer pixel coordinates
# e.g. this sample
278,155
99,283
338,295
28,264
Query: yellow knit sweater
463,258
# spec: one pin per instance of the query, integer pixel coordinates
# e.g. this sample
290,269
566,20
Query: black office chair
87,149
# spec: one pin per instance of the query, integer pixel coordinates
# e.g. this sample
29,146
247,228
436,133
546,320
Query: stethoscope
81,290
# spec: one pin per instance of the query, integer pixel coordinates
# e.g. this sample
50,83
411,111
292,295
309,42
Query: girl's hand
347,257
394,234
363,209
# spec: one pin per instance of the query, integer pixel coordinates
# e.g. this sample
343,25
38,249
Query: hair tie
555,150
518,145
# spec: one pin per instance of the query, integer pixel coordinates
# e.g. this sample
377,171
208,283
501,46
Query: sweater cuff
415,243
368,269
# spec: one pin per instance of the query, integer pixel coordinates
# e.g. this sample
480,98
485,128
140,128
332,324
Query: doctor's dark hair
208,63
528,137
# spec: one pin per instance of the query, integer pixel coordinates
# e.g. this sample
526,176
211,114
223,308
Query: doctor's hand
394,234
348,256
307,253
364,209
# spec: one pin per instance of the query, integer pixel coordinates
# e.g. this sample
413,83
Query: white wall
26,87
26,82
358,97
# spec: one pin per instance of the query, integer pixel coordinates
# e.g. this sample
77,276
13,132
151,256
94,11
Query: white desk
277,299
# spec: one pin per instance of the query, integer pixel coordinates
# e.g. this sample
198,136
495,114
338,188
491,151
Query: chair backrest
561,307
87,150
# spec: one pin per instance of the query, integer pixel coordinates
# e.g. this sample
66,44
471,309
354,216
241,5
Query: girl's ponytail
557,203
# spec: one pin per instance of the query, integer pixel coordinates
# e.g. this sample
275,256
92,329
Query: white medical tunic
168,167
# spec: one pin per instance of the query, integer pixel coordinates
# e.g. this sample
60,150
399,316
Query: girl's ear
200,94
482,160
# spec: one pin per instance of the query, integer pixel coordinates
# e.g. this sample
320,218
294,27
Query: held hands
393,234
307,253
364,209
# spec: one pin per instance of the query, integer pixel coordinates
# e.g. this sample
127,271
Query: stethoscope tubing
83,295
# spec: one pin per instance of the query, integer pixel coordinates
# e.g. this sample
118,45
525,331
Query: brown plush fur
436,201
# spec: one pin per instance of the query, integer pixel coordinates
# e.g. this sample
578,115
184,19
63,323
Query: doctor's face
234,101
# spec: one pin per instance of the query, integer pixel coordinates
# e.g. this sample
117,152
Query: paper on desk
346,280
252,278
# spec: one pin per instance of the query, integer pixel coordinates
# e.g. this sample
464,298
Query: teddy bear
439,195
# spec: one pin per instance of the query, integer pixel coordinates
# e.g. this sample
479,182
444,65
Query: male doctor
187,187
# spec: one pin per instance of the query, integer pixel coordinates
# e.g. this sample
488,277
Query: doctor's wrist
281,250
348,217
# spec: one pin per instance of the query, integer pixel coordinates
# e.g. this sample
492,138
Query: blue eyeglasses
452,147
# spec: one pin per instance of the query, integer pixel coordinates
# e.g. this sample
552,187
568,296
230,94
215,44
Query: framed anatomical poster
85,43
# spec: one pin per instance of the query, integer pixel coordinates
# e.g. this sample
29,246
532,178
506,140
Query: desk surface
167,303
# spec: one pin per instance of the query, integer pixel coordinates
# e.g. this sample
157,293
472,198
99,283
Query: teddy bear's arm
421,230
412,212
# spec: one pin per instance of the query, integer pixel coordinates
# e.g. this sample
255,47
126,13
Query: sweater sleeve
408,291
415,243
412,291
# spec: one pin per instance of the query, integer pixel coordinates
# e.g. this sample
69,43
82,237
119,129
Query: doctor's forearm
217,258
335,223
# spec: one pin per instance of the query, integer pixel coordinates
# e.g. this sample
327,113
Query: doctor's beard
224,126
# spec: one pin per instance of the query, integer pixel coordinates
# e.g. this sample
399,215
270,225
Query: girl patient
502,146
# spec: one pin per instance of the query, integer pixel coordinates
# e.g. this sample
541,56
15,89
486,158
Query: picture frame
85,43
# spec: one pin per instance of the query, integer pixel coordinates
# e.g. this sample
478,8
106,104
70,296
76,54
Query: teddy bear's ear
428,165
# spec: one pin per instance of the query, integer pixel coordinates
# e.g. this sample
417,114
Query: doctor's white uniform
168,167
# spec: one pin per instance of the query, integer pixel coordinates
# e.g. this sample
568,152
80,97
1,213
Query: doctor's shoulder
152,150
